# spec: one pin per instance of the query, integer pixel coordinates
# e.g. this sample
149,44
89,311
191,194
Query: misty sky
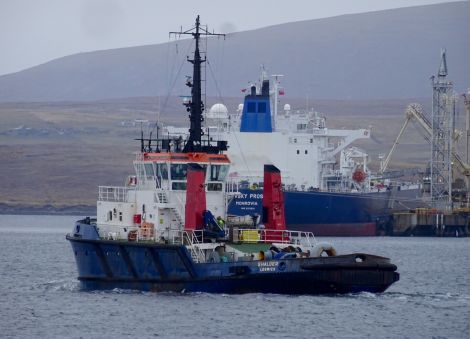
36,31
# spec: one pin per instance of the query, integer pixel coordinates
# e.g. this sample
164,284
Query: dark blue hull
330,214
268,283
107,264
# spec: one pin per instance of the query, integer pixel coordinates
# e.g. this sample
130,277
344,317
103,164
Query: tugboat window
162,171
179,171
218,172
139,169
178,186
214,186
149,170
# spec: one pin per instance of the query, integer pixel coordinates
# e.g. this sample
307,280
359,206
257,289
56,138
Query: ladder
193,245
162,198
177,215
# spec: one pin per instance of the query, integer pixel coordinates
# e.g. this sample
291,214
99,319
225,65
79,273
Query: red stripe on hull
337,230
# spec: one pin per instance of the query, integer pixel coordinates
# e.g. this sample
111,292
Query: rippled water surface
40,296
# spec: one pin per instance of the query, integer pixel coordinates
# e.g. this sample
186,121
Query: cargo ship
328,187
165,230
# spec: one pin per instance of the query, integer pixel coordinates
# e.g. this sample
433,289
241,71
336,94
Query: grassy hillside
57,154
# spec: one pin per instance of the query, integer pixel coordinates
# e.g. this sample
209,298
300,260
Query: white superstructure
310,155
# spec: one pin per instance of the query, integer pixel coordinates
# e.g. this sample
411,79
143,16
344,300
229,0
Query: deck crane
415,113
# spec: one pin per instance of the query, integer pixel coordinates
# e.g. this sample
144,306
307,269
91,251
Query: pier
432,222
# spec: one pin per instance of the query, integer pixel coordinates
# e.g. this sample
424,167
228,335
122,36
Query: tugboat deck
250,247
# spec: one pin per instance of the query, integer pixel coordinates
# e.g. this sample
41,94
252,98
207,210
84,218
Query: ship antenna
142,146
276,92
195,107
150,142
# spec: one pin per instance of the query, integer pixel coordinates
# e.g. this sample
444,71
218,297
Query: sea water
41,298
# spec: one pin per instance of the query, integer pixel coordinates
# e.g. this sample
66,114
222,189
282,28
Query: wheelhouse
169,170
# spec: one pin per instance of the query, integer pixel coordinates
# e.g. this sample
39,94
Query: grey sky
36,31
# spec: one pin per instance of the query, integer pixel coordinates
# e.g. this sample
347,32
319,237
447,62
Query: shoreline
47,209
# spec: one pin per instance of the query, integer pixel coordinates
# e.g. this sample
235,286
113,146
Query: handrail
180,206
301,238
196,252
114,193
160,196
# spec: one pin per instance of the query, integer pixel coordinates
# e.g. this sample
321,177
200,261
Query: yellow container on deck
249,236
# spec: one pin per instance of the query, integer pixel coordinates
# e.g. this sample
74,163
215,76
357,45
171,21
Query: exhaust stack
273,204
195,198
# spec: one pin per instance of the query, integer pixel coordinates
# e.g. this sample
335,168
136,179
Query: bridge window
218,172
251,107
149,170
139,169
162,171
178,186
261,107
179,171
214,186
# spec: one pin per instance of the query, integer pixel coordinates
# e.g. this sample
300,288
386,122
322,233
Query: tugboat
165,230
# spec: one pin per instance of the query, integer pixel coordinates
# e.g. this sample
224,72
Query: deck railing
113,193
274,236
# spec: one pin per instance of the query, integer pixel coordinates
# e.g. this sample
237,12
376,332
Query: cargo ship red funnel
273,205
195,198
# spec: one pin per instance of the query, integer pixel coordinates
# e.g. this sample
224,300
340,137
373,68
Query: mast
276,93
195,107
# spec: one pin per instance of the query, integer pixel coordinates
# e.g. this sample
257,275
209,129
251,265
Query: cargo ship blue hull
332,214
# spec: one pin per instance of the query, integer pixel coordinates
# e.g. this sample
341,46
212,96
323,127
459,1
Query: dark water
40,297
